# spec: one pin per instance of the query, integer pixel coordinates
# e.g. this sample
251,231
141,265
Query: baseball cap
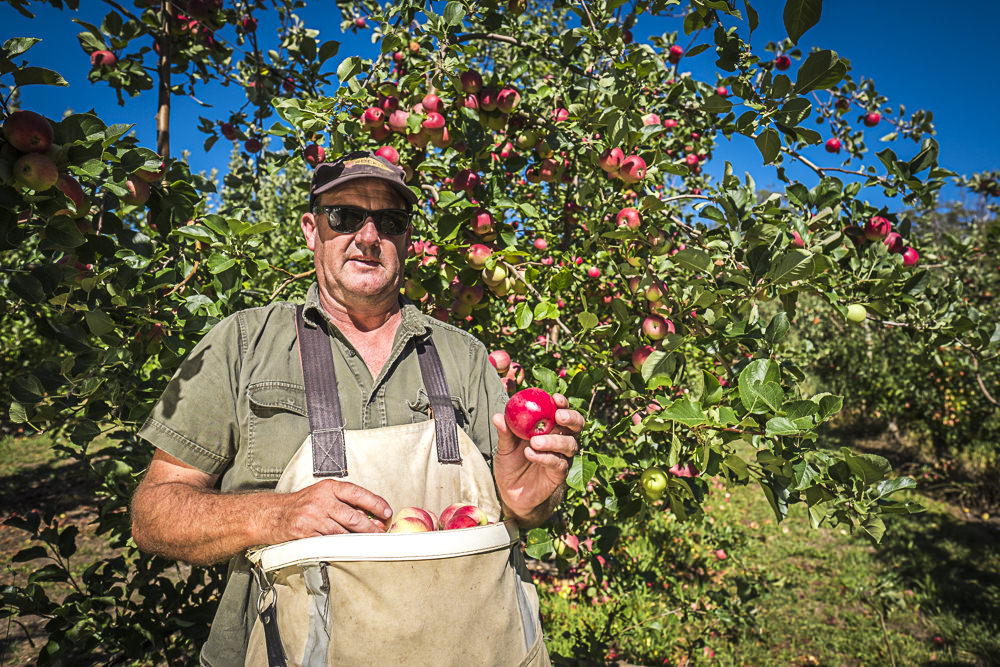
355,165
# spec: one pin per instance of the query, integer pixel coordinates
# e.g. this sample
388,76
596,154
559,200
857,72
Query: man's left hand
528,473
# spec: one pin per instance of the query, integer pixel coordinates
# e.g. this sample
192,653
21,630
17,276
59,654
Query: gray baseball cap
355,165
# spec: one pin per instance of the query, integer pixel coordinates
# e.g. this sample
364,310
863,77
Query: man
234,413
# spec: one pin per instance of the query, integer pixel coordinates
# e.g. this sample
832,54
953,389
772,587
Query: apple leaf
869,467
587,320
98,322
769,144
889,486
581,471
30,76
821,69
800,15
712,393
694,259
454,12
759,388
523,315
777,328
684,411
781,426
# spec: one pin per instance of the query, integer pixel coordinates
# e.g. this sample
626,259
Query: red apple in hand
462,515
530,412
413,520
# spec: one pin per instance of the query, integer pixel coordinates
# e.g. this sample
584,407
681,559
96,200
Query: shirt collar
412,319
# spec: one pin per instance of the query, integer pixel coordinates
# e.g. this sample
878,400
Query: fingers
569,421
332,507
506,441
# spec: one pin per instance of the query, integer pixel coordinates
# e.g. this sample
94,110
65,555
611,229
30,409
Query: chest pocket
420,409
278,424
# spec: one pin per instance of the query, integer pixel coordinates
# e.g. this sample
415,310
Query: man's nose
368,234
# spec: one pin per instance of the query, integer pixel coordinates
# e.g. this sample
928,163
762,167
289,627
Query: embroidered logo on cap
370,162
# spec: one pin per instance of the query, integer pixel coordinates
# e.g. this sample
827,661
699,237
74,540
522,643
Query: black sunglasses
349,219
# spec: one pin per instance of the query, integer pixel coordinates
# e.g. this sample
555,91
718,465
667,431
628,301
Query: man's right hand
329,507
178,514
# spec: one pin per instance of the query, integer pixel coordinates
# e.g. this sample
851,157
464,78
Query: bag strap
445,424
326,423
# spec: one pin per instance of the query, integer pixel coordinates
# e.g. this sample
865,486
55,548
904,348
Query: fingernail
387,513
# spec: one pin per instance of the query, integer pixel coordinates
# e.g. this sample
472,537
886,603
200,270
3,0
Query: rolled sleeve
196,419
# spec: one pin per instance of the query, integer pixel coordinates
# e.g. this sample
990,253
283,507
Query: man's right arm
177,513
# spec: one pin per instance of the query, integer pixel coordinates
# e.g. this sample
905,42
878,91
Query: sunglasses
349,219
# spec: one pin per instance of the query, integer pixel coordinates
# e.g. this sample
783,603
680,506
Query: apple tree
568,216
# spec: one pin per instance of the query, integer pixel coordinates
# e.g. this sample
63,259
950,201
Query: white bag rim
354,547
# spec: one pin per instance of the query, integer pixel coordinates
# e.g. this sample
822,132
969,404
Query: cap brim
406,192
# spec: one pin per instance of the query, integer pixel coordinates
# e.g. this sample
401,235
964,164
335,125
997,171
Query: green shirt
236,408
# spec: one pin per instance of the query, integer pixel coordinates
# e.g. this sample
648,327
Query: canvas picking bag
459,597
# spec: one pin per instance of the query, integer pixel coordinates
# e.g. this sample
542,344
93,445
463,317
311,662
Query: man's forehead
361,188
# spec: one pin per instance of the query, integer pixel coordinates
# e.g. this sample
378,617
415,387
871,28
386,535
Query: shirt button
350,353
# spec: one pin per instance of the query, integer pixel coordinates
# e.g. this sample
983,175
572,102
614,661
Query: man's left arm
531,474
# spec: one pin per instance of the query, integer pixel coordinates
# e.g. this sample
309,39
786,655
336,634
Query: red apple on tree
639,356
876,228
314,154
35,171
910,257
28,132
871,119
628,217
611,160
138,191
832,145
894,242
656,327
530,412
782,62
508,99
228,130
472,81
74,191
633,169
389,153
501,361
102,58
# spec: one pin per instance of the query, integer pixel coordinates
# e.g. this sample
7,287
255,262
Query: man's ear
308,225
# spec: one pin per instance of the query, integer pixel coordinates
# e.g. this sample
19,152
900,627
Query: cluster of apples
31,156
453,517
878,228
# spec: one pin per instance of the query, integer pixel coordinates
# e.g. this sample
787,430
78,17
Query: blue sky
921,54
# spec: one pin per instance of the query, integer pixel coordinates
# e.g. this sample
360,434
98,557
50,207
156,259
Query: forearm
532,517
201,526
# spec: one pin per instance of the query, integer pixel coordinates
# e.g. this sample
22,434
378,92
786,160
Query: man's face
363,267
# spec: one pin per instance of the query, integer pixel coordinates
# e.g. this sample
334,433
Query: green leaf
587,320
800,15
777,328
769,144
717,104
218,263
328,50
792,265
692,258
875,527
15,46
712,393
869,467
454,12
581,471
98,322
759,388
889,486
31,76
684,411
348,68
821,69
781,426
927,157
31,553
523,315
196,232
